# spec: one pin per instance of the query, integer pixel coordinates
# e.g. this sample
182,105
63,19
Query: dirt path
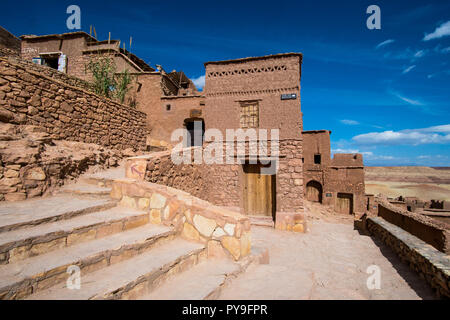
328,262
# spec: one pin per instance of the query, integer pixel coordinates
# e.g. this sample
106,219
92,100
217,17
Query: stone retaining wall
66,111
431,231
51,73
225,233
431,264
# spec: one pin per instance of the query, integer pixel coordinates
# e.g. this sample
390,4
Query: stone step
84,189
24,214
34,274
23,243
103,178
262,221
202,281
130,278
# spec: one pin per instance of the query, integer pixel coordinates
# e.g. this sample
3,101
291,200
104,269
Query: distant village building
337,181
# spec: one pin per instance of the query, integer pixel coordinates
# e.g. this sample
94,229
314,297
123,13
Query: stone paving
328,262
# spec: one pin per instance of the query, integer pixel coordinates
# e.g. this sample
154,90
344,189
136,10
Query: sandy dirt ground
330,261
422,182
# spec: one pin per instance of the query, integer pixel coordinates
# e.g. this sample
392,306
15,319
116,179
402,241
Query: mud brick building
337,181
154,91
170,100
245,93
70,52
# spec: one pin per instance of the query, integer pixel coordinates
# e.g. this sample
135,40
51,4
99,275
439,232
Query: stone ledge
427,229
224,232
290,221
431,264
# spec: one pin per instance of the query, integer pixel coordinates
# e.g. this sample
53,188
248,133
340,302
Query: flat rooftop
278,55
316,131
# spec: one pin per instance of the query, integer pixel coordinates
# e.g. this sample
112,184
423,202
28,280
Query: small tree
122,85
105,80
103,69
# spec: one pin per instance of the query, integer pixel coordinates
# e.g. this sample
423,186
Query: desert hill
423,182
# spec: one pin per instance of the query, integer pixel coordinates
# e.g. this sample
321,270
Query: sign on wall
288,96
195,113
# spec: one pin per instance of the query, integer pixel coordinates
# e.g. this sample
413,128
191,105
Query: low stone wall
216,183
431,264
431,231
67,112
224,232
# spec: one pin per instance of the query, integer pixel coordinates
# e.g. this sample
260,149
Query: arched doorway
195,131
314,191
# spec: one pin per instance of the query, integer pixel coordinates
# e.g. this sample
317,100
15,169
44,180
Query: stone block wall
51,73
67,112
431,264
290,177
225,233
431,231
31,163
216,183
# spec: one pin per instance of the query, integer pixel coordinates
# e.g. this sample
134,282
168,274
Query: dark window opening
195,132
50,62
317,159
168,107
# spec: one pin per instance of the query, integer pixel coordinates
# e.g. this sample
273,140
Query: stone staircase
119,253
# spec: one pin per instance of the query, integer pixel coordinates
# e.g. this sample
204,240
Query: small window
249,115
168,107
317,159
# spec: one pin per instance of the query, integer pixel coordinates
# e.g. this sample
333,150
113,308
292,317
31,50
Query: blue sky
385,93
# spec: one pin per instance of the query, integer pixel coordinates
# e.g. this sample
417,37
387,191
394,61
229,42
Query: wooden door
258,191
344,203
314,191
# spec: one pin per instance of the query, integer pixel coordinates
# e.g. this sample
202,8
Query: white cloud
445,128
419,53
407,100
349,122
430,135
384,43
365,153
408,69
199,82
441,31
